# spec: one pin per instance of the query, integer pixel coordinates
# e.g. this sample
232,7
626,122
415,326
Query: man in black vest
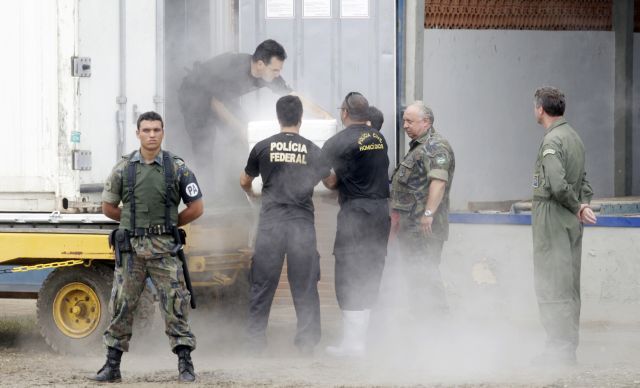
214,116
358,155
150,183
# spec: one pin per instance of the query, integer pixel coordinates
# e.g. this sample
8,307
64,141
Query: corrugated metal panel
195,30
328,57
99,28
521,14
98,39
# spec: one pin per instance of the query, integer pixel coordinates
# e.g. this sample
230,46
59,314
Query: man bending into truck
150,182
213,114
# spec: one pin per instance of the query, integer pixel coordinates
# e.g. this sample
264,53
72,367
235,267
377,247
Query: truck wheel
72,308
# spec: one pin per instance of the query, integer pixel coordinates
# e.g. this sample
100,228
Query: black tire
99,279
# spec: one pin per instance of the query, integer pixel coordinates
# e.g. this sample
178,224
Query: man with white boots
358,156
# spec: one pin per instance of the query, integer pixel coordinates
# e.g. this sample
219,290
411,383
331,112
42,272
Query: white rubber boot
354,338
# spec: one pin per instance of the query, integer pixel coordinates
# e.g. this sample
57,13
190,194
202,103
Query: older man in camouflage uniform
420,208
147,218
561,194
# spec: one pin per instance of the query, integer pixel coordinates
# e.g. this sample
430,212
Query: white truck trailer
73,85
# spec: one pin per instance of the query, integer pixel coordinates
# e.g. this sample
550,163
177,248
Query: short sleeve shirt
228,76
358,155
186,186
187,183
290,167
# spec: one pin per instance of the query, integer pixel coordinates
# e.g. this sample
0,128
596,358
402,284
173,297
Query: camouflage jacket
430,157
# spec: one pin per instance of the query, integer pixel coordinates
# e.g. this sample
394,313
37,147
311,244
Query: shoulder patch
548,151
441,159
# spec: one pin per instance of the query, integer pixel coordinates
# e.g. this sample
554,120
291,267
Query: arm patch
548,151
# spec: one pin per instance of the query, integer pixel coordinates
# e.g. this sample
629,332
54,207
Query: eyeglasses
346,100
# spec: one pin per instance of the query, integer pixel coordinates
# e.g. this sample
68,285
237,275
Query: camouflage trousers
420,256
129,281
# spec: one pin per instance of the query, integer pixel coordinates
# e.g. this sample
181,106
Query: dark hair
376,118
551,100
267,50
289,111
357,106
150,116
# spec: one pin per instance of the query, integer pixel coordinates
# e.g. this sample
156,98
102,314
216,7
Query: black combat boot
186,373
110,372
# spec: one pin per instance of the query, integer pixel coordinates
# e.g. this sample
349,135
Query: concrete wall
488,270
480,85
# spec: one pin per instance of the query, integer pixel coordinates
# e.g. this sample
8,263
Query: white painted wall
480,85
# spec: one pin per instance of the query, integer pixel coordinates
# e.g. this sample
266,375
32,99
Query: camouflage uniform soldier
151,237
561,195
420,206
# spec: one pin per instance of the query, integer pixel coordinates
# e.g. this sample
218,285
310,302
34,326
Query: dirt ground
490,355
489,340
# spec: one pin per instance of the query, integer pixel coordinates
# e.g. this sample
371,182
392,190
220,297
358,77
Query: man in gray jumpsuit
561,196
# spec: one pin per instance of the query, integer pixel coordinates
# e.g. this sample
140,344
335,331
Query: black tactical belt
156,230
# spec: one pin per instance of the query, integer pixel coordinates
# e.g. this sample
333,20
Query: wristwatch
428,213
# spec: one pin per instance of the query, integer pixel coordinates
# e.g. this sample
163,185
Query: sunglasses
346,100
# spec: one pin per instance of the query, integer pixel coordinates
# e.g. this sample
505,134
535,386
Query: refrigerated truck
71,95
77,75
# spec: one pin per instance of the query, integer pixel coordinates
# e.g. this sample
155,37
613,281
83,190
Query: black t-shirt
358,155
290,167
228,76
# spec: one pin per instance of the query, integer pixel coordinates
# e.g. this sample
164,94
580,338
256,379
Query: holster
182,235
181,239
120,242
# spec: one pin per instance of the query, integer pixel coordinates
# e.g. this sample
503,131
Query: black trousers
297,239
360,250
